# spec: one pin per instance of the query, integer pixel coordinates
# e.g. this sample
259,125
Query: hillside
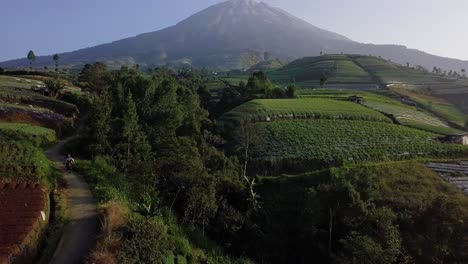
307,72
233,35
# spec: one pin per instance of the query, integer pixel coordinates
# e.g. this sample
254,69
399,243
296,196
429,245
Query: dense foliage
161,151
387,213
22,162
152,147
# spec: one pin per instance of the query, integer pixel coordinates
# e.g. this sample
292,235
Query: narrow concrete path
80,233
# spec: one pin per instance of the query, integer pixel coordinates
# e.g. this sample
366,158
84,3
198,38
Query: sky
55,26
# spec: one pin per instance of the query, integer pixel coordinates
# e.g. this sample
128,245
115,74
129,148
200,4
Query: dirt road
80,233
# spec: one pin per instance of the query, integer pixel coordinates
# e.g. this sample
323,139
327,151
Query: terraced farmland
307,72
411,116
16,82
36,134
22,162
438,106
303,108
391,72
322,143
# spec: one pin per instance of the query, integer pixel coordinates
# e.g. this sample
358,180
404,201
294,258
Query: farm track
80,233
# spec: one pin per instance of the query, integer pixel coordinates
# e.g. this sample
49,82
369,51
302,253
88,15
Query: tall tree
323,80
133,146
56,59
31,58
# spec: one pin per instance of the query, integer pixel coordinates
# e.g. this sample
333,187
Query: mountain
236,34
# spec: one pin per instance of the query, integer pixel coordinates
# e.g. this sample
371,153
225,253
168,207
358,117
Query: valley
240,135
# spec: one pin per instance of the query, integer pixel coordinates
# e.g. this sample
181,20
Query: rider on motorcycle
69,162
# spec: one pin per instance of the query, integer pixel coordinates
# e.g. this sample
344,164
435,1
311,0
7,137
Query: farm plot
323,143
22,162
16,82
50,120
307,71
410,116
438,106
24,214
28,97
303,108
39,136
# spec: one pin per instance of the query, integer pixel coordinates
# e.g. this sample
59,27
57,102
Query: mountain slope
235,34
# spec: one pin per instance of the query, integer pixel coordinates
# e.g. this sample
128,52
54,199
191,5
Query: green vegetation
436,105
175,188
376,213
391,72
28,97
315,144
308,71
37,135
23,162
411,116
303,108
15,82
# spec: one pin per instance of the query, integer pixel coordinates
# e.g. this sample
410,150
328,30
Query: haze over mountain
236,34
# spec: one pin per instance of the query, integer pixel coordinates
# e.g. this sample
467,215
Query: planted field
28,97
321,143
16,82
411,116
438,106
391,72
303,108
22,162
39,136
308,71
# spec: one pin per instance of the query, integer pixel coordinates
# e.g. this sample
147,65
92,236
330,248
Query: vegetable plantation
37,135
410,116
303,108
314,144
338,68
22,162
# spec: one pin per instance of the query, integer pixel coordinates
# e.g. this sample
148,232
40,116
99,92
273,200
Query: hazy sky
51,26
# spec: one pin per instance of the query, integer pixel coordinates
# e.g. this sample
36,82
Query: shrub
145,240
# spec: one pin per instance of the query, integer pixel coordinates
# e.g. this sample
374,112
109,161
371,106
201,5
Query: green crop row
303,108
38,136
329,142
22,162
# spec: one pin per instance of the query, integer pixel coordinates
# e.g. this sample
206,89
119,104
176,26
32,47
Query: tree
133,146
248,136
408,64
291,91
31,57
323,80
2,71
54,86
56,58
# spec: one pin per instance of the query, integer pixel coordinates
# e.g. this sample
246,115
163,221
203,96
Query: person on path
69,162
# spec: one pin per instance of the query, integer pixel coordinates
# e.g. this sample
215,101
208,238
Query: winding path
80,233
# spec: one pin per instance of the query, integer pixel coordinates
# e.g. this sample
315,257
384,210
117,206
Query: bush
145,241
